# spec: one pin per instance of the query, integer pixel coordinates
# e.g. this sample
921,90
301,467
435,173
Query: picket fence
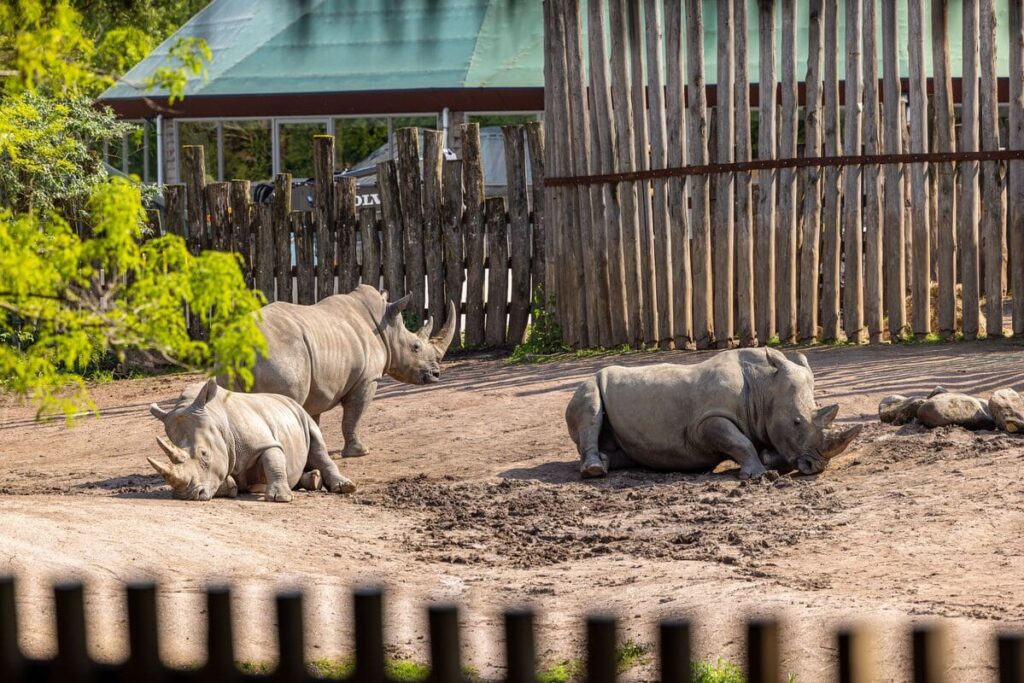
435,234
72,664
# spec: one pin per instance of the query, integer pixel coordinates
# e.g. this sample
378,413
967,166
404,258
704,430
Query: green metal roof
314,46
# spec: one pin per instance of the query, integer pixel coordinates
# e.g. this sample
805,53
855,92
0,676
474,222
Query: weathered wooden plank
345,238
853,284
873,274
808,303
764,231
454,252
283,236
622,107
921,279
555,206
603,154
679,233
661,243
369,233
945,224
411,201
433,142
641,140
264,255
724,228
1016,168
831,256
538,262
497,271
697,154
519,232
591,251
473,183
894,236
218,203
744,232
174,210
993,201
305,271
968,209
326,214
193,171
786,289
391,212
241,227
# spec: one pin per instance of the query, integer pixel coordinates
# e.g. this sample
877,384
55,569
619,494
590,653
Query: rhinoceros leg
228,488
310,481
318,458
353,405
722,436
585,418
274,468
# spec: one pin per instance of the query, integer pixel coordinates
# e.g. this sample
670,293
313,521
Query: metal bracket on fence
776,164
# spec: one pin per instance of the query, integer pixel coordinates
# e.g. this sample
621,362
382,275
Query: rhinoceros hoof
1007,409
898,410
752,472
593,470
343,485
311,481
955,409
278,493
354,450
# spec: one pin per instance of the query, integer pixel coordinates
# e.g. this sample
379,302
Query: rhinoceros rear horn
177,455
443,339
168,473
427,328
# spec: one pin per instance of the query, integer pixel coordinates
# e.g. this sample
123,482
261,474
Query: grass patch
627,656
722,671
774,340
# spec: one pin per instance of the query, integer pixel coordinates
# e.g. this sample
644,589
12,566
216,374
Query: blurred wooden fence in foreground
72,663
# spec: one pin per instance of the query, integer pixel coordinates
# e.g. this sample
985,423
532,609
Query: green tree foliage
113,291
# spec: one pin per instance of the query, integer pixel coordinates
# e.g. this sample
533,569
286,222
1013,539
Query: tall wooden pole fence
929,645
900,214
435,234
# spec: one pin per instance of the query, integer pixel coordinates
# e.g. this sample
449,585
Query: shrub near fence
928,645
436,235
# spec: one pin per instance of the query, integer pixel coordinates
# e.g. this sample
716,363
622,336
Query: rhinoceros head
415,357
795,424
199,456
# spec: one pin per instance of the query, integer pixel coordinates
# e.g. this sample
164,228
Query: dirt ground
471,494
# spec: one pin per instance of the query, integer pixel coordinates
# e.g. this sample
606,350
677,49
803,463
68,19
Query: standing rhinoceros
691,417
221,442
335,351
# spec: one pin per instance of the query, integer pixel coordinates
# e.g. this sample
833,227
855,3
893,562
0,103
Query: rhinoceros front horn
168,473
837,441
443,339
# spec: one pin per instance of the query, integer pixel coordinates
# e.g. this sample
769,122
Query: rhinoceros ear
158,412
823,416
801,359
774,358
396,307
206,394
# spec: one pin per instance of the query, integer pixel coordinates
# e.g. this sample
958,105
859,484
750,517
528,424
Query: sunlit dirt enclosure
471,493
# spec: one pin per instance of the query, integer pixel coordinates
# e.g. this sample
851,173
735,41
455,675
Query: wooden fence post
945,224
370,234
391,209
411,202
968,210
241,227
831,256
305,273
454,251
1016,168
265,255
282,235
788,198
921,283
808,302
520,650
744,237
538,265
724,228
763,652
853,287
895,242
993,215
873,272
174,208
473,182
519,230
697,154
326,214
346,223
764,232
193,170
218,198
432,242
497,272
674,651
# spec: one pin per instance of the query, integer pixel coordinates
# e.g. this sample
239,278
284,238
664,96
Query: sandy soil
471,494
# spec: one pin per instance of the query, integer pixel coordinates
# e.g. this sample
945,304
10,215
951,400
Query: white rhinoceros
221,442
336,350
734,405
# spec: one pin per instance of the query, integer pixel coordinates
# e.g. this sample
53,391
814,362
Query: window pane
414,122
247,150
297,147
501,119
356,139
136,150
201,133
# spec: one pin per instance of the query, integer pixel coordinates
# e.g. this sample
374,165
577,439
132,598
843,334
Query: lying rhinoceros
221,442
335,351
691,417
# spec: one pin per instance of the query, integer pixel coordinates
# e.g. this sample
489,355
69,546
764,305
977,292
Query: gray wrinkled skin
220,442
948,408
335,351
1007,409
692,417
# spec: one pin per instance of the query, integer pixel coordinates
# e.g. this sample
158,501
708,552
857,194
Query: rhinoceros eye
797,422
417,347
